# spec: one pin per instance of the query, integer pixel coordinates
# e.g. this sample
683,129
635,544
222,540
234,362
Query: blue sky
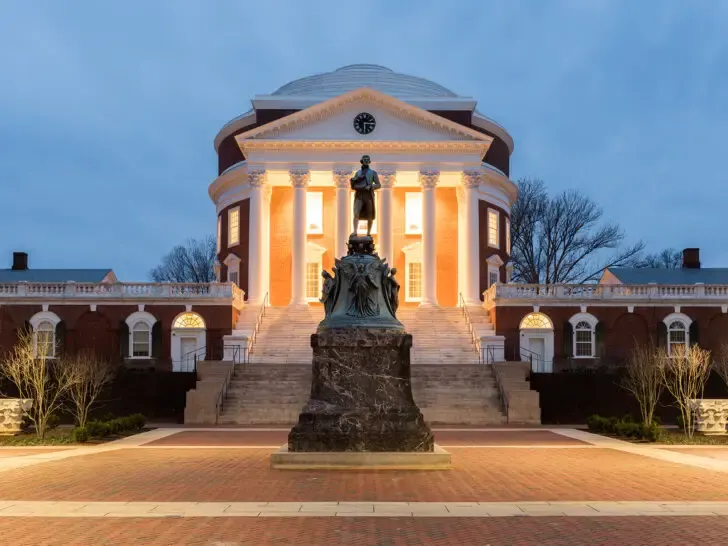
108,110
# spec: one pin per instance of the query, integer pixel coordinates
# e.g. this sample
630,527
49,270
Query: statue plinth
361,395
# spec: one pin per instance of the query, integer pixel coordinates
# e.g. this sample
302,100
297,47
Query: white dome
354,76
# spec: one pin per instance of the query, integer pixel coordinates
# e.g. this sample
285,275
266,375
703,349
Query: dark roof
647,275
53,275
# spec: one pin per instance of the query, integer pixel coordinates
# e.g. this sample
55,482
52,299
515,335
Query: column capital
429,179
257,177
471,179
387,178
299,177
342,176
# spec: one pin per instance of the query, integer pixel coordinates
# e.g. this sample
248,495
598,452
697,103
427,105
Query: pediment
333,120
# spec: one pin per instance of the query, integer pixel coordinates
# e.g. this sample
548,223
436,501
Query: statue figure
327,296
364,183
363,286
393,290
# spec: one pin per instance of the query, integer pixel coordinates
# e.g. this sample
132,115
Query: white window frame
315,254
132,321
490,213
36,321
233,241
495,262
412,255
508,236
318,228
363,223
232,262
219,234
591,322
409,197
685,321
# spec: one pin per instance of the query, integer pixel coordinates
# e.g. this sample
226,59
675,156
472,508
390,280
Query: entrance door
537,346
187,348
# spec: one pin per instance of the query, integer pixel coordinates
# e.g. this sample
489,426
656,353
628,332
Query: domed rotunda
284,201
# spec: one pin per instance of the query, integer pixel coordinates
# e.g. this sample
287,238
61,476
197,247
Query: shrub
115,426
80,435
625,428
137,421
97,429
53,421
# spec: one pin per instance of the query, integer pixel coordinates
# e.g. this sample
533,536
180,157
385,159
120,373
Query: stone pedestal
711,415
12,411
361,396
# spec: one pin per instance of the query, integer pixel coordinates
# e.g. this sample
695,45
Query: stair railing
256,328
235,351
533,358
475,339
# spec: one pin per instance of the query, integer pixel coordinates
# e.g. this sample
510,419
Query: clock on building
364,123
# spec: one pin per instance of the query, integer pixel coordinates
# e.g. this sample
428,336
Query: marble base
438,459
361,396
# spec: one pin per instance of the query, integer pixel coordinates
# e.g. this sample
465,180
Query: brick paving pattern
22,451
544,531
720,453
490,474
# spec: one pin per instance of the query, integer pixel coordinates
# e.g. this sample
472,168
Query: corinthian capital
342,177
387,178
257,177
299,178
428,179
471,179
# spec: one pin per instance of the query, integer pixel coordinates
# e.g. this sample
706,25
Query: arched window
140,334
678,331
536,321
584,339
44,333
189,320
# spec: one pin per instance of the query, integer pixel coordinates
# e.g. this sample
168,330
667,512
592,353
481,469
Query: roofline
243,120
479,120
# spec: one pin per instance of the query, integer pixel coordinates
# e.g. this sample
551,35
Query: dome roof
354,76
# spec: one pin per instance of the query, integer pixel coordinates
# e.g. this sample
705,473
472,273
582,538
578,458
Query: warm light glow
189,320
234,226
313,281
536,320
362,228
219,234
508,236
314,212
413,213
493,228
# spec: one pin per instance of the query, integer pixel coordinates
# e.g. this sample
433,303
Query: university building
284,204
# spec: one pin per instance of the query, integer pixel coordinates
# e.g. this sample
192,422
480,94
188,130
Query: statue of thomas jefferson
364,183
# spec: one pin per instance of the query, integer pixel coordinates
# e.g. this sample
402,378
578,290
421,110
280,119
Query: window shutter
157,340
60,338
662,335
568,345
694,333
124,339
599,340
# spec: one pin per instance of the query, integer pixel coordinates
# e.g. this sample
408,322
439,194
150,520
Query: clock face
364,123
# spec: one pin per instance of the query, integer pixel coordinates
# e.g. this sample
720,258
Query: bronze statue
393,290
327,296
363,287
364,183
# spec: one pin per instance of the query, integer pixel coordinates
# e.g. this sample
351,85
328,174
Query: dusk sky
108,110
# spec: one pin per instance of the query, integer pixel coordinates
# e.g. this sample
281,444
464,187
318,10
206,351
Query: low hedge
624,427
102,429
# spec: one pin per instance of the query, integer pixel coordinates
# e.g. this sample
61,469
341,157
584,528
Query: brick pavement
23,451
487,474
544,531
720,453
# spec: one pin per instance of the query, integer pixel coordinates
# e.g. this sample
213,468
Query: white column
267,194
471,243
428,181
343,227
256,180
299,181
386,251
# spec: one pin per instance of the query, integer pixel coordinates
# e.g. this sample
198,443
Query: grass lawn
677,437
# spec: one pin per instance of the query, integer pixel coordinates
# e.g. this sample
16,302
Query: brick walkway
506,467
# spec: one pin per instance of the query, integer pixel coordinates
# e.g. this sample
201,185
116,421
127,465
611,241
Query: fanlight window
141,340
189,320
45,339
677,334
583,339
535,321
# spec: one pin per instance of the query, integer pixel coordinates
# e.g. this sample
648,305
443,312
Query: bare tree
668,258
191,262
562,239
643,378
37,378
720,362
684,374
91,374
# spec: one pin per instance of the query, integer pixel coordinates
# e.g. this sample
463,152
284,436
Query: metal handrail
502,391
531,355
489,352
258,323
473,337
222,395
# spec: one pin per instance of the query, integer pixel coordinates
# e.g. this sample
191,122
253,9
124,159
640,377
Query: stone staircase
448,382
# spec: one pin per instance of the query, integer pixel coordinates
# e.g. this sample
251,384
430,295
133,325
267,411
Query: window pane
414,281
45,339
219,234
233,277
493,278
315,212
234,226
413,213
313,276
508,236
493,228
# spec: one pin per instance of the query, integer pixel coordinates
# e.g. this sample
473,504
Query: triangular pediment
333,120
